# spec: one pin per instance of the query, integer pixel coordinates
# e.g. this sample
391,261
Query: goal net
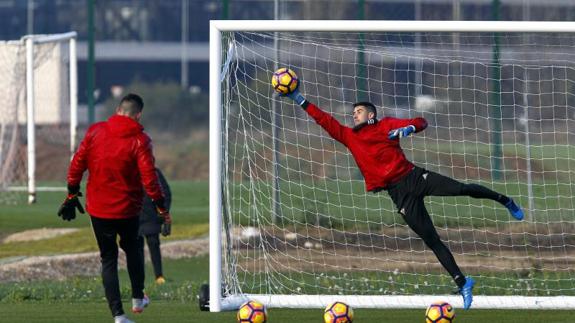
37,114
294,224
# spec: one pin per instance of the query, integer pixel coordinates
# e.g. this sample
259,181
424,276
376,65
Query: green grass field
183,312
82,298
190,220
191,207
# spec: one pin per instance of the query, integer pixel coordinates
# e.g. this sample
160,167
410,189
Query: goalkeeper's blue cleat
467,292
514,209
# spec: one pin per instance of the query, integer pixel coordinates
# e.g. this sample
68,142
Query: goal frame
30,41
216,302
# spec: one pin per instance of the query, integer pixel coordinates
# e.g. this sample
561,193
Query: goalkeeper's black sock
503,199
459,280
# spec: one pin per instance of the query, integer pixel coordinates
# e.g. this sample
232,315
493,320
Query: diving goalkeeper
375,146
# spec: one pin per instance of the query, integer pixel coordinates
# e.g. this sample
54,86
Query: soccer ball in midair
338,312
252,312
440,312
284,80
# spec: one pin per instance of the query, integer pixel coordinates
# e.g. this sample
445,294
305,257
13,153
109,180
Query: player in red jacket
375,146
118,156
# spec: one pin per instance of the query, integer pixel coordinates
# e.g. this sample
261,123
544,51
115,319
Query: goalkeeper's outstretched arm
335,129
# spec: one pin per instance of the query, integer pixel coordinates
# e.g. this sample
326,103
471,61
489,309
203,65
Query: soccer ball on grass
440,312
252,312
338,312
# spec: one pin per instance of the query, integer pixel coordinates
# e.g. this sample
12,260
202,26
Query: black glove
165,215
166,229
68,208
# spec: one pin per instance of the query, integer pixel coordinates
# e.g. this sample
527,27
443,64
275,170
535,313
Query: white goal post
40,72
517,265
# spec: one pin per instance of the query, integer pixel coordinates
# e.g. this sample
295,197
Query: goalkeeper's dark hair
132,104
368,105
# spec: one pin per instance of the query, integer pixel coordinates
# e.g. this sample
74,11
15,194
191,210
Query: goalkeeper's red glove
68,208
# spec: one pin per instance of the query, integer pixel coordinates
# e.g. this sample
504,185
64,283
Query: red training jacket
118,156
380,160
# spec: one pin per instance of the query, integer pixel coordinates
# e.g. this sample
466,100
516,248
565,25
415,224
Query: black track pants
106,232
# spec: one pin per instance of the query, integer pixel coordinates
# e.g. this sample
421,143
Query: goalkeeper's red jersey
380,159
118,156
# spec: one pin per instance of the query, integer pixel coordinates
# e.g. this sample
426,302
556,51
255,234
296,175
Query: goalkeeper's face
361,115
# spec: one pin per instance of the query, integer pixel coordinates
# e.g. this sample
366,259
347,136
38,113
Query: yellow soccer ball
284,80
252,312
440,312
338,312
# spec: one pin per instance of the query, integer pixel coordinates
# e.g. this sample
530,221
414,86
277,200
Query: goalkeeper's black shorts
409,192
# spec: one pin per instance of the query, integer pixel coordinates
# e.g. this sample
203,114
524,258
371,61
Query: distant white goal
290,222
38,113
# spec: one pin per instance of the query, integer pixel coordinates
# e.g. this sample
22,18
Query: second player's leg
153,241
